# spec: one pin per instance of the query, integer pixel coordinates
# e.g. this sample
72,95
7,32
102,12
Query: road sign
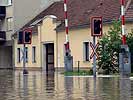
94,48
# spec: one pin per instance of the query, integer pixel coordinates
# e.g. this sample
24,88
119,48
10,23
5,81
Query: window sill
9,30
86,61
33,62
9,5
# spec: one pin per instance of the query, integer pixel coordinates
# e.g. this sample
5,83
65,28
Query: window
86,51
26,54
33,54
9,2
9,24
18,55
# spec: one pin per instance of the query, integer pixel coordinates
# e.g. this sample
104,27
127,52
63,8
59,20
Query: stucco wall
77,38
35,42
47,34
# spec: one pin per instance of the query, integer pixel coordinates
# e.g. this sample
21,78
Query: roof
80,11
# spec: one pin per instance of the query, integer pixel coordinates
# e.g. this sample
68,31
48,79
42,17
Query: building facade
46,51
6,31
13,15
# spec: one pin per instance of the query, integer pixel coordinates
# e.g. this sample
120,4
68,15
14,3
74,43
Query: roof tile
80,11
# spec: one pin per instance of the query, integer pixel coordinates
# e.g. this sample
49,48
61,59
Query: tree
109,48
130,44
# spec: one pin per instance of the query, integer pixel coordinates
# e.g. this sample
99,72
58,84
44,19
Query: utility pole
24,37
96,31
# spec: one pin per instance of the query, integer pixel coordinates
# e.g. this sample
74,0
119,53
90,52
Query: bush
109,47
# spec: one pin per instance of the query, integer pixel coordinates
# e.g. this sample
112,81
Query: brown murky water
41,86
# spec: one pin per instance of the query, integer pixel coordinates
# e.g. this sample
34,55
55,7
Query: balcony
2,12
2,36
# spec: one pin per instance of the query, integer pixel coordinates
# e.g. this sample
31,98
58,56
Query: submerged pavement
38,85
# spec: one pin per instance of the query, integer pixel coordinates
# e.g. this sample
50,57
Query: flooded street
38,85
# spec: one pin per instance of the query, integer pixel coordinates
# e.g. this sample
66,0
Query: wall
76,37
9,13
35,42
47,34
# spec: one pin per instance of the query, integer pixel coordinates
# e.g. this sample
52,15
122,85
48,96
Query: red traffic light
96,26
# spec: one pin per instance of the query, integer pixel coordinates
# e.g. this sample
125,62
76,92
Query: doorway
49,56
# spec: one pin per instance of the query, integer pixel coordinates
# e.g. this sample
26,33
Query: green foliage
130,41
80,73
109,47
130,44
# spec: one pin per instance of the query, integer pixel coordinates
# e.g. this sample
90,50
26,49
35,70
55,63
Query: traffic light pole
96,31
25,71
94,58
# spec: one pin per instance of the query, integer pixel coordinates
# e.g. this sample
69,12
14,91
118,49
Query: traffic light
20,37
27,36
96,26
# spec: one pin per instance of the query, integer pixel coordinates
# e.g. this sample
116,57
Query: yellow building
46,51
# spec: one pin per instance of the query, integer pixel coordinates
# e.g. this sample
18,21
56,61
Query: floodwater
38,85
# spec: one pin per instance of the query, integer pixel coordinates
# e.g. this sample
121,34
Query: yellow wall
35,42
47,34
77,38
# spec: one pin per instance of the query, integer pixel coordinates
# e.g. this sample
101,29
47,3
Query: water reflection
95,89
25,87
50,84
39,85
125,89
6,84
68,88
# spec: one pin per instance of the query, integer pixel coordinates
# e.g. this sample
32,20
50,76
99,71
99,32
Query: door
50,57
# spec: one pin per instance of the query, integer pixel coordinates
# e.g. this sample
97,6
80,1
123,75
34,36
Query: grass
76,73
